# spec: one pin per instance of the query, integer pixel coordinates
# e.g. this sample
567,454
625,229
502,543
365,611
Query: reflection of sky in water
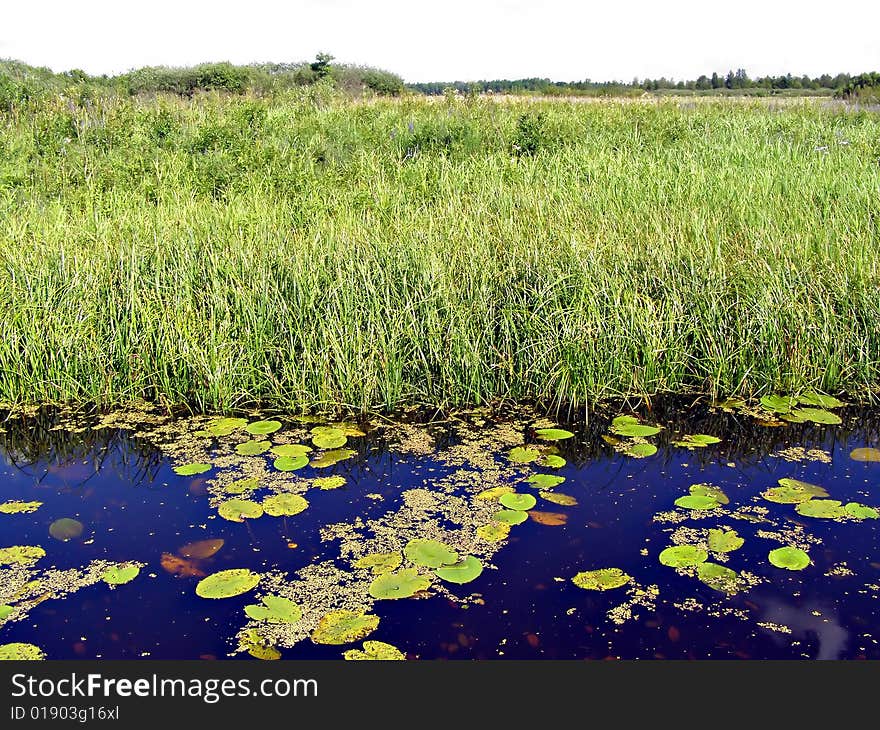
135,508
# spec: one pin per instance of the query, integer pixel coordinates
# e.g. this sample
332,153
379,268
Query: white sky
455,40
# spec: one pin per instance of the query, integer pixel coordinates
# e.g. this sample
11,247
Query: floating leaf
724,541
548,519
343,627
380,562
786,495
630,427
545,481
464,571
188,470
326,437
349,429
494,493
861,511
202,549
817,415
640,451
5,612
817,399
275,610
227,583
552,461
224,426
21,554
719,577
524,454
18,652
681,556
430,553
829,509
239,510
812,489
553,434
291,450
279,505
865,454
179,566
290,463
265,652
17,507
604,579
789,558
707,490
241,486
66,529
119,575
262,428
778,403
402,584
697,440
511,516
329,458
518,501
333,482
374,651
252,447
494,531
696,502
557,498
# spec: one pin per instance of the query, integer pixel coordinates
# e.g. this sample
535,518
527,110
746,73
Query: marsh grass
307,252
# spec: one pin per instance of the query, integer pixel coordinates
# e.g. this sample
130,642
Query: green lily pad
724,541
464,571
349,429
778,403
239,510
344,627
681,556
291,450
817,415
523,454
334,482
275,610
493,493
812,489
789,558
121,574
18,652
518,501
334,456
284,505
494,531
865,453
188,470
430,553
553,434
552,461
630,427
290,463
511,516
240,486
21,554
16,507
380,563
545,481
707,490
262,428
66,529
719,577
697,440
252,447
402,584
640,451
786,495
696,502
829,509
5,612
227,583
861,511
225,426
564,500
819,400
603,579
326,437
374,651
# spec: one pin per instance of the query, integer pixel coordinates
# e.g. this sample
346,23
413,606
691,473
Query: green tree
321,65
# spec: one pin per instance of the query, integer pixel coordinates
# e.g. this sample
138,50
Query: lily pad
552,461
494,531
523,454
545,481
16,507
812,489
262,428
225,426
334,482
66,529
865,453
5,612
240,486
284,505
329,458
518,501
778,403
121,574
553,434
349,429
275,610
829,509
344,627
604,579
724,541
290,463
402,584
252,447
493,493
511,516
291,450
227,583
464,571
681,556
326,437
786,495
239,510
819,400
21,554
374,651
696,502
708,490
564,500
630,427
18,652
719,577
817,415
380,563
430,553
697,440
861,511
789,558
188,470
640,451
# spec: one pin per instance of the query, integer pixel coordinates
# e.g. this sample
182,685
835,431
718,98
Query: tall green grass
308,252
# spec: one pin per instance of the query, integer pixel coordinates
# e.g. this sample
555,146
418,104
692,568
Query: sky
455,40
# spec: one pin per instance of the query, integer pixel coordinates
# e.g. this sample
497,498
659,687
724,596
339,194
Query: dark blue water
134,507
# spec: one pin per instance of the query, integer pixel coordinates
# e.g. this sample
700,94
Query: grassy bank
304,251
